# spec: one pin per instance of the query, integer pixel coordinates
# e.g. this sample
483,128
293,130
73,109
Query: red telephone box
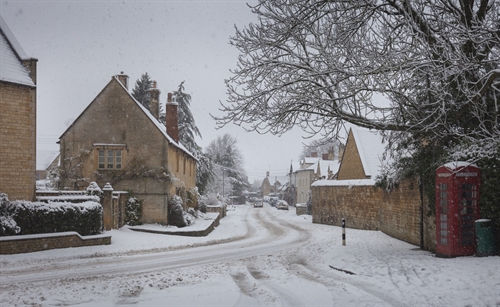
457,198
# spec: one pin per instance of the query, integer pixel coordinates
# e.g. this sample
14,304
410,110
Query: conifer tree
141,90
187,125
187,132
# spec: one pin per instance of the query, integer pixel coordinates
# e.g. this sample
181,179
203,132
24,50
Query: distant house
47,164
354,196
312,169
116,140
273,185
17,118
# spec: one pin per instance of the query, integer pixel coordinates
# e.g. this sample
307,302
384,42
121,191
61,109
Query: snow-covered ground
256,257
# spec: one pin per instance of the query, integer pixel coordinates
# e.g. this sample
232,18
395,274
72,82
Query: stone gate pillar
107,207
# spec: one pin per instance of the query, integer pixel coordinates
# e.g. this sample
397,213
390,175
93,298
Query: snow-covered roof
370,149
11,54
309,160
44,158
348,183
332,165
454,165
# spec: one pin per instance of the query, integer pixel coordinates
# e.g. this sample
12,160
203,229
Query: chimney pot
123,79
154,103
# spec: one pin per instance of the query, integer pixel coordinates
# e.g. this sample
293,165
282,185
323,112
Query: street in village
255,257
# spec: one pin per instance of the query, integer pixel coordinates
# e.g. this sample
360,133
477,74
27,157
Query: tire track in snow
74,269
286,298
354,281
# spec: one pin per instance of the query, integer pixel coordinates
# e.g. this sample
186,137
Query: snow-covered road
256,257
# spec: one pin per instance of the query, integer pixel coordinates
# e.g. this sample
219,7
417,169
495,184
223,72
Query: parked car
282,205
258,204
273,201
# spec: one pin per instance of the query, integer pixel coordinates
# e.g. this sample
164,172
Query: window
110,159
110,156
443,213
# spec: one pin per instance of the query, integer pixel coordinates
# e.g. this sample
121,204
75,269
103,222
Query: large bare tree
426,68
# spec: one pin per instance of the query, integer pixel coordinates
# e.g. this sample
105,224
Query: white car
282,205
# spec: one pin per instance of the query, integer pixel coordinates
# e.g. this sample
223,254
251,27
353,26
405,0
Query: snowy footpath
255,257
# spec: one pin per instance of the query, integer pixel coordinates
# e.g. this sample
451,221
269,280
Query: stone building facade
116,140
17,118
355,197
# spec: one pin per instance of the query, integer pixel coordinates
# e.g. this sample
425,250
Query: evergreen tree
187,125
141,90
187,132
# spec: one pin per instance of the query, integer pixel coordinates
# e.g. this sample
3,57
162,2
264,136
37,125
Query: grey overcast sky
80,45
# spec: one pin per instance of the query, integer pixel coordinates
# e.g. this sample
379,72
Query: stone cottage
17,118
117,140
355,196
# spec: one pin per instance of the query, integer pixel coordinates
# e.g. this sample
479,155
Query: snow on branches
427,68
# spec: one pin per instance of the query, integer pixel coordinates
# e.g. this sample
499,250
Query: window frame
110,156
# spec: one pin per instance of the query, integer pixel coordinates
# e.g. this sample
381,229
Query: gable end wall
351,166
17,141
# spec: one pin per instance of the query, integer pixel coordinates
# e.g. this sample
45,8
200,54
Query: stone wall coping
201,228
69,197
51,235
351,182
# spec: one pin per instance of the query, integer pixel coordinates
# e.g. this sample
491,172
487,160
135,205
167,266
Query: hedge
39,217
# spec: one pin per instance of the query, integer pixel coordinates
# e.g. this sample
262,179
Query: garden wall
41,242
396,213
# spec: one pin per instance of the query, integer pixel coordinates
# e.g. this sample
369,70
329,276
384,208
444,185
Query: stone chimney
324,156
171,118
331,153
154,103
123,79
341,151
30,64
314,154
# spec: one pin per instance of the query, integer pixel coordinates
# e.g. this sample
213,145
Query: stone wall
17,141
301,209
396,213
41,242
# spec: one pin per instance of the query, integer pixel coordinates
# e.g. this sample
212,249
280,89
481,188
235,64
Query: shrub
8,225
176,214
133,211
94,190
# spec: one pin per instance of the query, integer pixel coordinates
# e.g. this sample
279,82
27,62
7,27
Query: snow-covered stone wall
396,213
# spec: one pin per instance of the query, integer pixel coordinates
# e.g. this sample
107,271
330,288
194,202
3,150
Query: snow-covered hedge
133,211
176,214
94,190
8,226
25,217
